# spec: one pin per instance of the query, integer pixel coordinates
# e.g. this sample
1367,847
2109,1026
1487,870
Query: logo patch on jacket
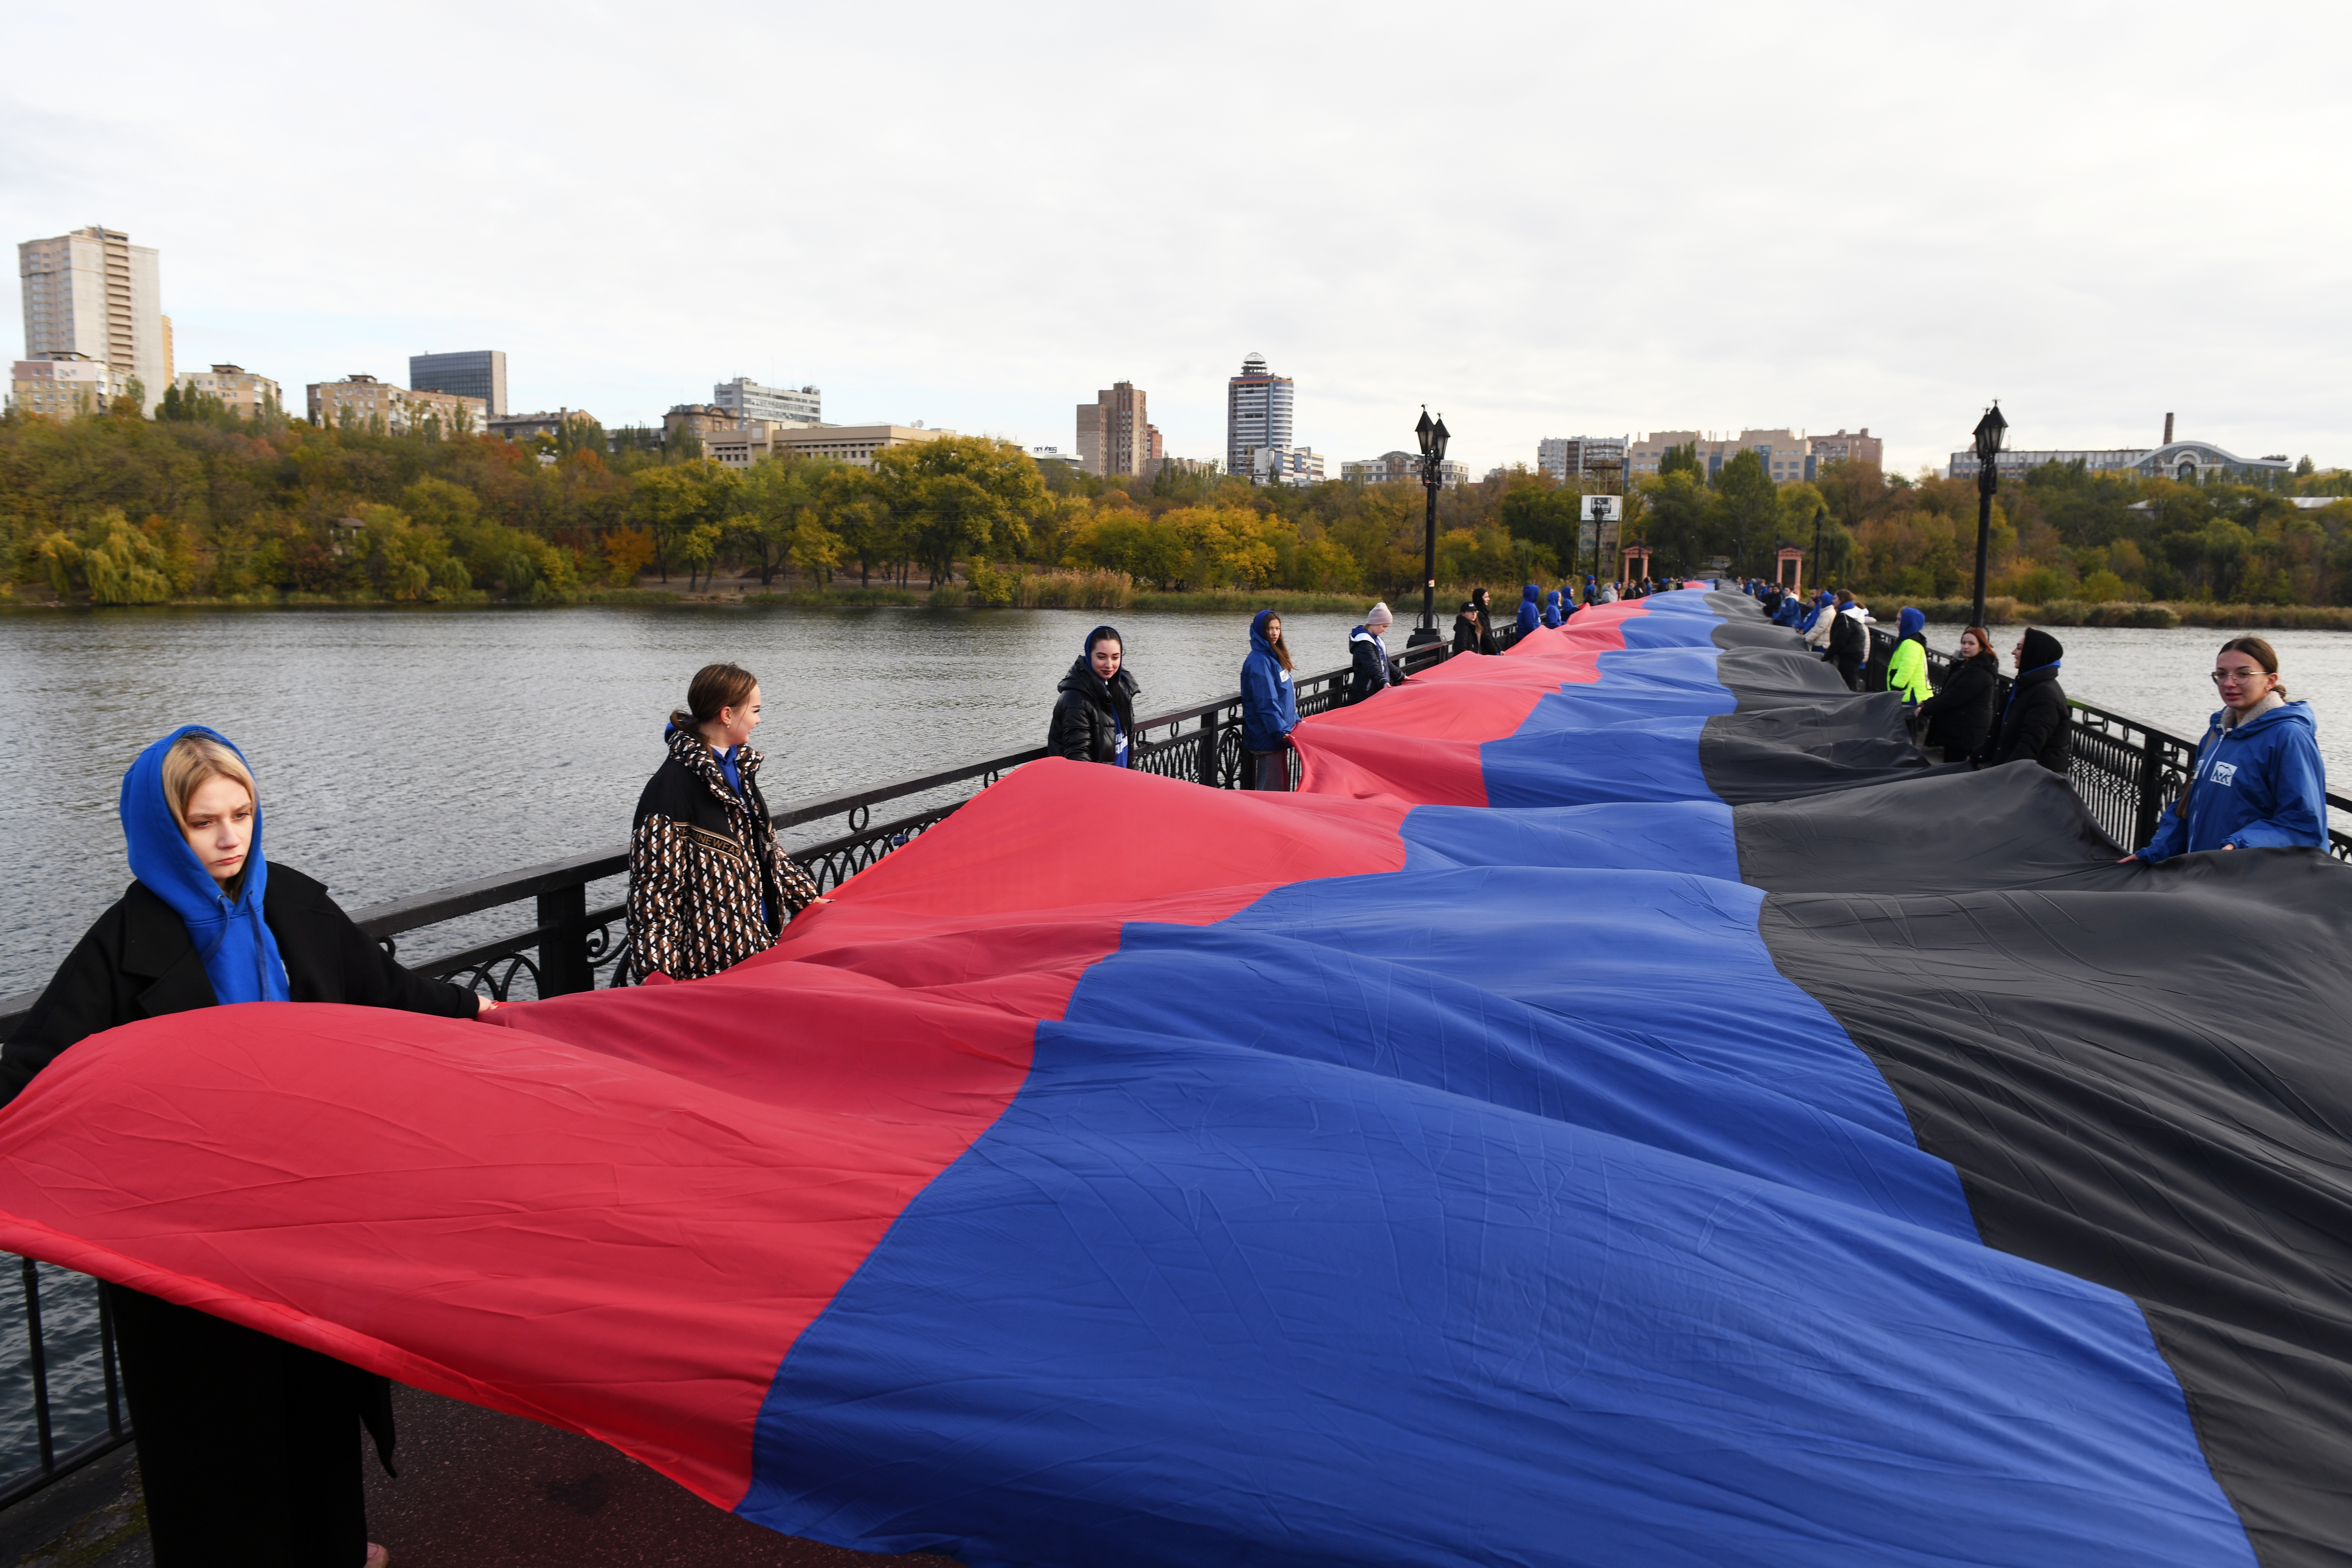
2223,773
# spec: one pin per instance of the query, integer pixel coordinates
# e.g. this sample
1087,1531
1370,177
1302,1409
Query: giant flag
1626,1108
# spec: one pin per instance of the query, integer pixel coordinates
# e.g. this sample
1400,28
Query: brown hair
193,759
1279,642
1984,638
2260,650
715,687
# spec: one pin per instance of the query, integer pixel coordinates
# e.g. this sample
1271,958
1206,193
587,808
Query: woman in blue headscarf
246,1446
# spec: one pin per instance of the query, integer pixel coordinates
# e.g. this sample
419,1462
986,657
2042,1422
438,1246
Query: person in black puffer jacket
1094,717
2036,726
1959,717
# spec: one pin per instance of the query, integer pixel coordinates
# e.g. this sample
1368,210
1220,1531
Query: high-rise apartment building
1115,434
241,392
475,373
1575,459
778,405
1257,413
94,294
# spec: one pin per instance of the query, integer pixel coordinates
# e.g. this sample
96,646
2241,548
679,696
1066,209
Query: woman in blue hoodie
2259,782
1552,613
246,1443
1531,608
1269,707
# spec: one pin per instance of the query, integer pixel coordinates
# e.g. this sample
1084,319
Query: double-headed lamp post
1431,434
1990,429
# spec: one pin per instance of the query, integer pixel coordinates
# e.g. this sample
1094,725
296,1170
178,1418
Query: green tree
960,496
674,499
1751,506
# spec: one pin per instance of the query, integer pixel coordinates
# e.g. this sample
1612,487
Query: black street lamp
1820,515
1433,436
1990,429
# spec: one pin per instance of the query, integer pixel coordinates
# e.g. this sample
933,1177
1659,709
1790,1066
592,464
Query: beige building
240,391
64,386
94,293
1786,455
356,400
523,427
853,443
1401,469
1116,435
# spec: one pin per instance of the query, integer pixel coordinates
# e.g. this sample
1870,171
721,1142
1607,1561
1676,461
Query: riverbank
2151,616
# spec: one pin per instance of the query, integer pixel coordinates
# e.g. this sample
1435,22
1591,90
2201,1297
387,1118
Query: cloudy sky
1539,219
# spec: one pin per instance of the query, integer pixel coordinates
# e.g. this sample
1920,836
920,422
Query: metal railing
2126,770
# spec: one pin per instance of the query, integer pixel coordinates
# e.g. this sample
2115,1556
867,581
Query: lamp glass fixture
1991,431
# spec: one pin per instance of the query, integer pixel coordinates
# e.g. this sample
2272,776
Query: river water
404,750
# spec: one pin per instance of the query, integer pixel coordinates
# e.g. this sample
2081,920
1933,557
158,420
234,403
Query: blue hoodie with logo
1269,707
2259,785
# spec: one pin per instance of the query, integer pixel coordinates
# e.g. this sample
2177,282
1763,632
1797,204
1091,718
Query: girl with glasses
2258,782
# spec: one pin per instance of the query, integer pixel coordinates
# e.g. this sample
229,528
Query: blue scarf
239,953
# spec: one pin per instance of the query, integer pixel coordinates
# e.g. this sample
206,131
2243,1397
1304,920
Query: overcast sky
1539,219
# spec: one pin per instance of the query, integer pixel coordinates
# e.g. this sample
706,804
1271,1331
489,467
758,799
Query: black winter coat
2036,729
1849,639
1959,717
1089,713
1370,670
237,1430
139,962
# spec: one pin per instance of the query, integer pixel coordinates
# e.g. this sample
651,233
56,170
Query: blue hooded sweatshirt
2260,785
239,953
1531,608
1552,612
1269,708
1822,600
1792,607
1911,623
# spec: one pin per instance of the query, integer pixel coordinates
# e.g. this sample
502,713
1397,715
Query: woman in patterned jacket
707,886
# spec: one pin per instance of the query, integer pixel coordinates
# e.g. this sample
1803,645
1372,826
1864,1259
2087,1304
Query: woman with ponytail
246,1444
2258,782
707,886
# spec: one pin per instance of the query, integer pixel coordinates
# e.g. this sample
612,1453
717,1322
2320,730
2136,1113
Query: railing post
38,1355
106,1358
563,951
2153,754
1208,773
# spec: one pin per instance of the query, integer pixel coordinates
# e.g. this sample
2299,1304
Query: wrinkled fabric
1505,1150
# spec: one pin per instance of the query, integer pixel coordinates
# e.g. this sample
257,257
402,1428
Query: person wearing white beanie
1370,669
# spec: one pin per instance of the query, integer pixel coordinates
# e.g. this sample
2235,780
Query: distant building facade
780,404
1258,412
94,294
1573,459
241,392
2191,462
63,386
741,446
356,400
523,427
475,373
1786,455
1285,466
1116,435
702,421
1402,469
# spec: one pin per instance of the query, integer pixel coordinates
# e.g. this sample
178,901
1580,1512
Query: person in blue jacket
1821,603
2259,782
1551,611
1269,706
1531,608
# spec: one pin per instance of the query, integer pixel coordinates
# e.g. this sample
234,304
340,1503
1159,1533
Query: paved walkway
477,1490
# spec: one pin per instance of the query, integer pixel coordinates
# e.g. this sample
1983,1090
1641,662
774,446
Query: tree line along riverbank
117,509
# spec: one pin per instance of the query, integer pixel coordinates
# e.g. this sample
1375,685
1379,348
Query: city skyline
1917,272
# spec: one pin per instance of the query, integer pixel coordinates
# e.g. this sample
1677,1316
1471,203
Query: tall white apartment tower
94,294
1257,414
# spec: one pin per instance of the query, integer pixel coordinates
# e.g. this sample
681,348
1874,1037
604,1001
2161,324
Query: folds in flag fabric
1625,1109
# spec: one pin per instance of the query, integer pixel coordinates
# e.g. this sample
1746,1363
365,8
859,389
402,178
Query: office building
1041,456
523,427
702,421
476,372
63,385
1402,469
94,294
1576,461
361,402
1115,433
1285,466
241,392
1257,413
747,399
1786,455
740,447
2191,462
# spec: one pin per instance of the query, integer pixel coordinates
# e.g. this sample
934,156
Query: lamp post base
1423,637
